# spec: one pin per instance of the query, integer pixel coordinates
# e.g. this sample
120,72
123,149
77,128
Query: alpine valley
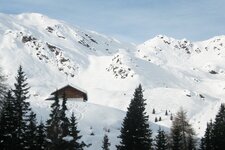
174,73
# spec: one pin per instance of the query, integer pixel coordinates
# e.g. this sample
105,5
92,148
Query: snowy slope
94,120
198,75
173,72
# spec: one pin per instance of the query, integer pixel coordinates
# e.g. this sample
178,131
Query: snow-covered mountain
174,73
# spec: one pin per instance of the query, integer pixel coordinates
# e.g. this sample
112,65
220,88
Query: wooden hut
71,93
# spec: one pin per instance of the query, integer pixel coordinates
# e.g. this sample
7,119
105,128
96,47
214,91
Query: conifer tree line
214,138
18,124
20,130
3,87
136,133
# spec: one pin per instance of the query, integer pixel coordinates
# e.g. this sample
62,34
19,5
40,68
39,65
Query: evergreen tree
182,132
202,144
54,131
191,143
105,143
7,123
3,88
161,141
74,133
65,121
31,132
160,119
166,113
135,131
41,137
62,133
218,131
206,141
22,107
156,119
171,117
153,111
176,138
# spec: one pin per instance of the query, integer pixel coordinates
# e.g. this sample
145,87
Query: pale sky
132,20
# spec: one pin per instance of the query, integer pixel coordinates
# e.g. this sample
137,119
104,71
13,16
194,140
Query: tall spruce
182,132
105,143
64,124
62,133
41,137
202,144
3,88
191,143
135,132
206,141
218,131
161,142
22,107
74,133
7,123
31,132
176,139
65,121
54,131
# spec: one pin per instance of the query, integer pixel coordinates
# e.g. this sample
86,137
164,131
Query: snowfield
174,73
94,121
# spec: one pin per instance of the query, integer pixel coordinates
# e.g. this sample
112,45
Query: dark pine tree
135,132
160,119
31,132
156,119
3,87
176,139
7,123
65,121
166,113
22,107
202,144
161,142
191,143
206,141
153,111
41,137
171,117
64,124
218,131
54,131
105,143
74,133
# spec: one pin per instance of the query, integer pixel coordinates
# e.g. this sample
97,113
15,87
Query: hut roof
74,87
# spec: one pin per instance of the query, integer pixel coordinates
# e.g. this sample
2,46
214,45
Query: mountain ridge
174,73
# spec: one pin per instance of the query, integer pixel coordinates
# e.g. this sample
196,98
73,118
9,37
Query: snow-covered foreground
94,121
173,73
